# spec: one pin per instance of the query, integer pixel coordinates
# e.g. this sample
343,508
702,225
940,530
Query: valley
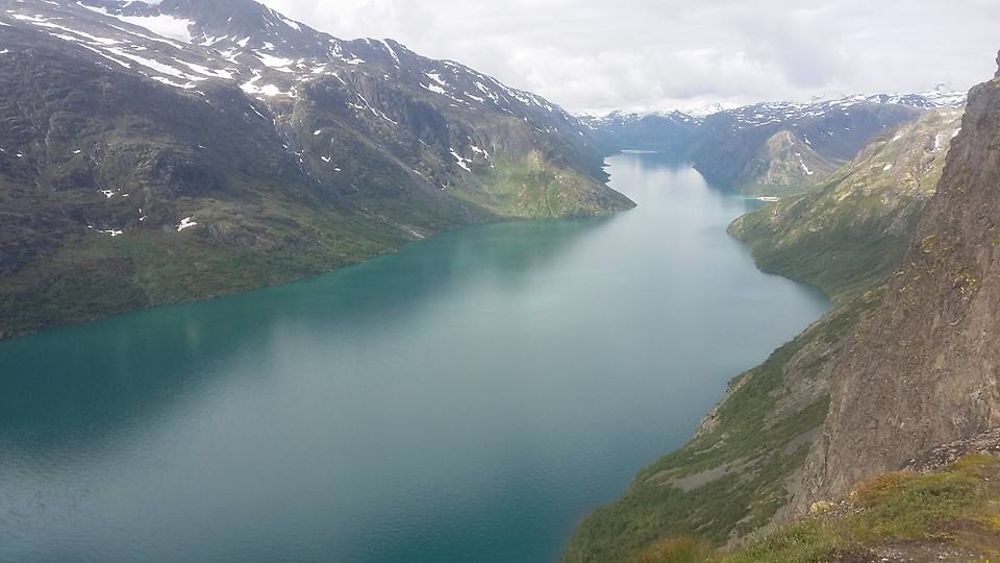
773,148
250,151
872,433
270,294
471,397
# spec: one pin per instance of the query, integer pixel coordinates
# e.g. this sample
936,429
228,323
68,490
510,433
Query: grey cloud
590,55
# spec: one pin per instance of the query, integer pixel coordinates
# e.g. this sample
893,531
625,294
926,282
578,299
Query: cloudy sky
596,56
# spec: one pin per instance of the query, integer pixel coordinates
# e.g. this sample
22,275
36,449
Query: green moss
677,550
949,511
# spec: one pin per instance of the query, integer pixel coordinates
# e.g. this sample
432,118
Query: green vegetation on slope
534,189
851,232
94,275
949,514
845,237
117,192
731,478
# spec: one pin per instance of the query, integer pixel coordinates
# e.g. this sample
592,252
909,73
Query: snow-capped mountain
770,147
667,132
768,112
187,43
224,146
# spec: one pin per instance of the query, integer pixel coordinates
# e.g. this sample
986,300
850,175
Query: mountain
669,133
798,431
774,148
161,152
741,147
923,370
852,230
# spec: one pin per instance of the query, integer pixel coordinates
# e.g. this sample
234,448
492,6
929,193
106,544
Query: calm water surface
470,398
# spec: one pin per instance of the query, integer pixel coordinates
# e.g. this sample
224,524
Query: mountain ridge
745,149
141,169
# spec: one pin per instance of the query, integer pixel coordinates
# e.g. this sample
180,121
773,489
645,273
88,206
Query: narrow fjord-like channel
468,399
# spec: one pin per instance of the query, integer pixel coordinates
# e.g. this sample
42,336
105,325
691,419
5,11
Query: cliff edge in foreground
923,369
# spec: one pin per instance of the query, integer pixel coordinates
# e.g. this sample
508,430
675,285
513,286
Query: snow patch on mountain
163,24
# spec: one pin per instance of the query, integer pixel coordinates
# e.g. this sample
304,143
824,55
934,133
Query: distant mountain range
771,148
161,152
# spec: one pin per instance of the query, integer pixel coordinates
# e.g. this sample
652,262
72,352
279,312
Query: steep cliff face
923,369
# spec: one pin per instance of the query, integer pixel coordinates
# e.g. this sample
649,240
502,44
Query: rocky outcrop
946,454
924,369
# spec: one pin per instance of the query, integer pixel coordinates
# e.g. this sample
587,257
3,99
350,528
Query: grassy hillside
741,467
851,231
949,514
731,478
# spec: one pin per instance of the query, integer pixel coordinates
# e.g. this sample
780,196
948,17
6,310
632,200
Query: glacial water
470,398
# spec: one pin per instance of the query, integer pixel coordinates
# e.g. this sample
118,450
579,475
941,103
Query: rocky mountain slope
160,152
923,370
902,364
775,148
852,230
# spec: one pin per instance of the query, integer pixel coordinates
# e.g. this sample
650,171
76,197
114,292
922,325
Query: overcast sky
596,56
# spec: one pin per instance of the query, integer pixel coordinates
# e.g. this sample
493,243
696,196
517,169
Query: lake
472,397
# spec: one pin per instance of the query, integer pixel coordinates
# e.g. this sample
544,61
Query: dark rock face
924,369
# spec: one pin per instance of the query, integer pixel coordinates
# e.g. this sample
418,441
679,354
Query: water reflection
82,383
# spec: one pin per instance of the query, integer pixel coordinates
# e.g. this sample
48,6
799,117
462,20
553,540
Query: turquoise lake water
470,398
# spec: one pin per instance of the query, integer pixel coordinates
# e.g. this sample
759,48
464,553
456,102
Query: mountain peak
222,23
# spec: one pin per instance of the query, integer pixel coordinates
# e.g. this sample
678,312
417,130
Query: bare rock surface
923,369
